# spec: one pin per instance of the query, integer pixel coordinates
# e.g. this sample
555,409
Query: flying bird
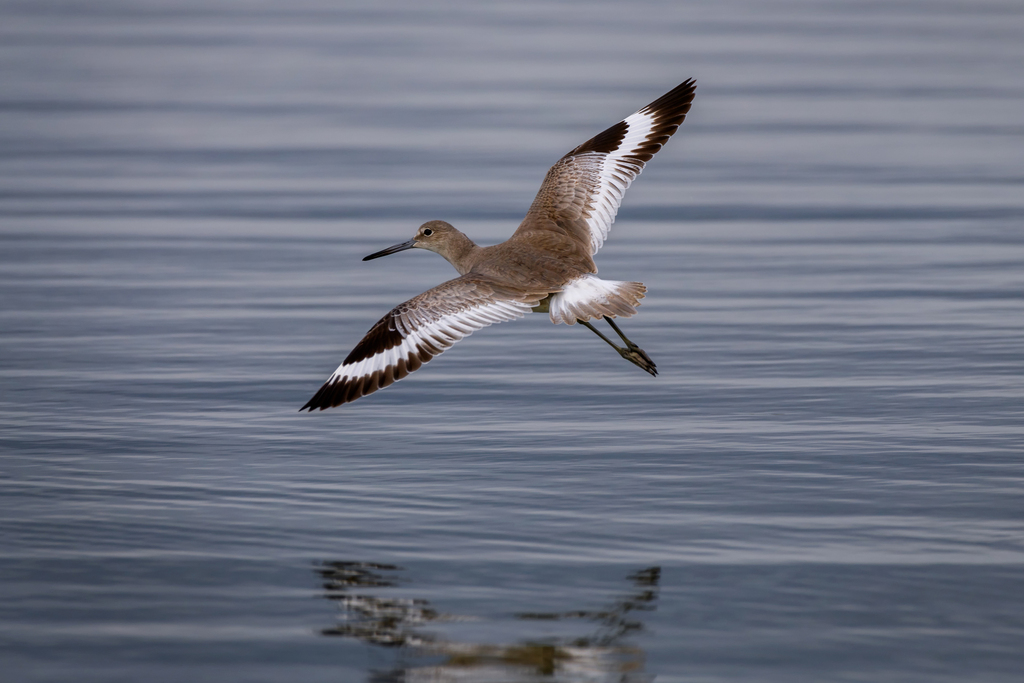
546,266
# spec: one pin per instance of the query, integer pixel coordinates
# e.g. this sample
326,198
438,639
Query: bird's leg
633,353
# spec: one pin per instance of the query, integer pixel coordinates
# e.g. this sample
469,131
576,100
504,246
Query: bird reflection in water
600,655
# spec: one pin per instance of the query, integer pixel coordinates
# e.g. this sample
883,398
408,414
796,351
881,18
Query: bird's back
544,260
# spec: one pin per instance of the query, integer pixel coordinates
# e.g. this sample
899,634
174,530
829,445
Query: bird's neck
460,251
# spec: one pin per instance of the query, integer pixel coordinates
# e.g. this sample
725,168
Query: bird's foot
637,356
633,353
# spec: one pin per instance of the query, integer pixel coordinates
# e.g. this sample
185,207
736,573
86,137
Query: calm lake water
826,483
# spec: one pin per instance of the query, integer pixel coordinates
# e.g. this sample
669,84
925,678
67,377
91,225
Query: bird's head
436,236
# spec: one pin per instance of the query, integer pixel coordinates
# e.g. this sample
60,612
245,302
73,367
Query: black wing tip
320,398
339,392
669,110
336,392
675,103
683,92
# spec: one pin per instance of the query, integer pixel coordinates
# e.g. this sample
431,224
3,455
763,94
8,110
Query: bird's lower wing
416,331
581,193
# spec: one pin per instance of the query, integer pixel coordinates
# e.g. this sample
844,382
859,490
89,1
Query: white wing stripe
617,173
440,334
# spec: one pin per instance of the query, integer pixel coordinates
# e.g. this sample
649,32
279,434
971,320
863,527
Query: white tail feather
591,297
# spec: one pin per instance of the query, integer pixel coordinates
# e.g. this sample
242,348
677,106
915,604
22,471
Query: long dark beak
392,250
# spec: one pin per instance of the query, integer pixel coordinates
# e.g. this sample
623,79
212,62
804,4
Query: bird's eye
428,232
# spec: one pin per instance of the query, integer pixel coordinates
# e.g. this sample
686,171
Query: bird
546,266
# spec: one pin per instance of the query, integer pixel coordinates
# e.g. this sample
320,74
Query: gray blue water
826,483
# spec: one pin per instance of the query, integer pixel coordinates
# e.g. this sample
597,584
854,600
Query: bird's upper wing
416,331
582,192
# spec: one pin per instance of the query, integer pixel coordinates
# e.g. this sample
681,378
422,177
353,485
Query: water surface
825,482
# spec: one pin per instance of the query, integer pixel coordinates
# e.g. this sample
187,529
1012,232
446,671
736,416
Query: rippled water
825,483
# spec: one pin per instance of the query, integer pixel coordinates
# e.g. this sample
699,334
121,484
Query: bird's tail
591,297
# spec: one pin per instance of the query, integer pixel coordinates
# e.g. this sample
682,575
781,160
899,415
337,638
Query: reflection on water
386,621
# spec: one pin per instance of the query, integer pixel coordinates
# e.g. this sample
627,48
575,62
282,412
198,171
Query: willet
546,266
